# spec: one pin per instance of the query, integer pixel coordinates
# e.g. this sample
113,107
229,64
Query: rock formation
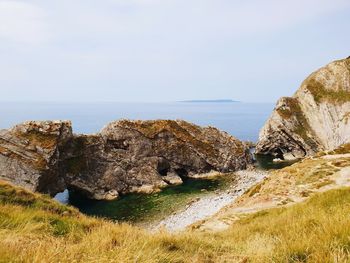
316,118
126,156
30,154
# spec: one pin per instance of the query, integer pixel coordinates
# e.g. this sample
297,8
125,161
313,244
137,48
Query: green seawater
265,162
143,208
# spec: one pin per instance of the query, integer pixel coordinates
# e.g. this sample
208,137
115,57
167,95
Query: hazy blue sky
166,50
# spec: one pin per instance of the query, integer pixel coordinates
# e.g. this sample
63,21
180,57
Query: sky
166,50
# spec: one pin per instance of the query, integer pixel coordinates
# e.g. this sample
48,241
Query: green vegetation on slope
320,93
35,229
336,94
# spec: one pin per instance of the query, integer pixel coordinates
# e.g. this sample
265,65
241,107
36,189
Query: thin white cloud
256,17
196,17
39,21
22,22
170,46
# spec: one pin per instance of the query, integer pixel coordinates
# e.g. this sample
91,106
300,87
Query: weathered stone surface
172,179
144,156
30,154
316,118
126,156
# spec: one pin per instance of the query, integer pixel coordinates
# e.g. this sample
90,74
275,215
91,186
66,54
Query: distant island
210,101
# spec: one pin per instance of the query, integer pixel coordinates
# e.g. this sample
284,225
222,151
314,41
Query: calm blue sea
243,120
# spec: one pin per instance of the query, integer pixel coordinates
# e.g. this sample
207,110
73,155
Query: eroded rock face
316,118
126,156
30,154
143,156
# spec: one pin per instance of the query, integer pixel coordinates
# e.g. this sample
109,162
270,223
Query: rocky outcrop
143,156
316,118
30,154
126,156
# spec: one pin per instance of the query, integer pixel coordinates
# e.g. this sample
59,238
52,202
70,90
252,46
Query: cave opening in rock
163,167
279,154
163,172
62,197
182,172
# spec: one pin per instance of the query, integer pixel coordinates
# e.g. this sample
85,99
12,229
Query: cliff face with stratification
30,154
126,156
316,118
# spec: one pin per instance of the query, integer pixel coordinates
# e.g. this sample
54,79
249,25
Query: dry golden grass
35,229
293,182
343,149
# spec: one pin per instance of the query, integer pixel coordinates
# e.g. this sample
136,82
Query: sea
242,120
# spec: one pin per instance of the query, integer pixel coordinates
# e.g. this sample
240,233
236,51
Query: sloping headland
315,119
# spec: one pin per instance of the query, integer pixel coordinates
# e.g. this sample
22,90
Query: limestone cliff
30,154
126,156
316,118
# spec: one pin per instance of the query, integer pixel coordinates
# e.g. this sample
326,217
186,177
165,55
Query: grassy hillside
34,228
